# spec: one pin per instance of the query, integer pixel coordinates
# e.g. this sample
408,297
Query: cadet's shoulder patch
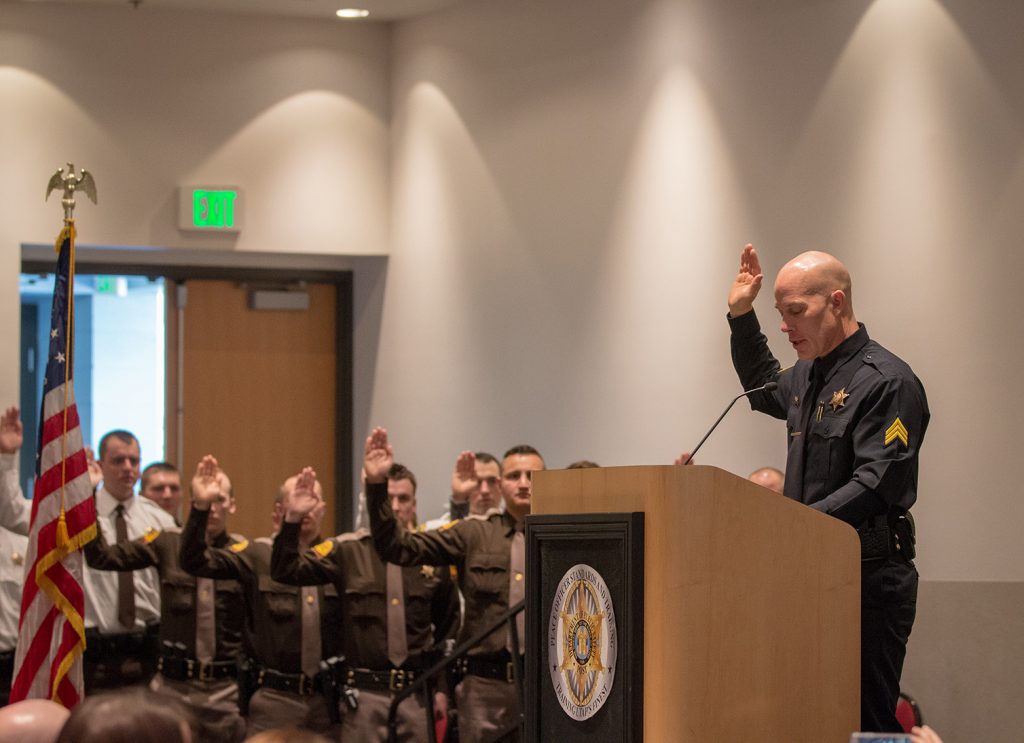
239,546
325,548
449,525
150,535
897,432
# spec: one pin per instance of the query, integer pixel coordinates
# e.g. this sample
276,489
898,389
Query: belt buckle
205,671
397,680
304,688
510,673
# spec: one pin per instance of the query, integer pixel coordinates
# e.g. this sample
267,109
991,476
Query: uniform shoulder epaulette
239,546
353,536
325,548
150,535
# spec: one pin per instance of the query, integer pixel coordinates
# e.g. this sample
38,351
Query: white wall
295,111
573,183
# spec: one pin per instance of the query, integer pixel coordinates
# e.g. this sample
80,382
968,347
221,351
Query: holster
331,672
248,683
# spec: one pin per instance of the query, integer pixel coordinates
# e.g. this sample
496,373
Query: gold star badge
839,399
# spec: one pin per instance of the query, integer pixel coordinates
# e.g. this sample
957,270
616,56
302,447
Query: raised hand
378,456
95,471
464,479
301,498
12,433
747,284
684,458
205,483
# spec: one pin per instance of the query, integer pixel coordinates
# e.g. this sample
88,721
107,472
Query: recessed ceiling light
352,13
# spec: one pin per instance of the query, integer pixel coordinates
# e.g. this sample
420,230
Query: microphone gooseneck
769,387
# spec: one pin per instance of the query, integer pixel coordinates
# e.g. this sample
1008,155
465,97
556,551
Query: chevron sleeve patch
897,432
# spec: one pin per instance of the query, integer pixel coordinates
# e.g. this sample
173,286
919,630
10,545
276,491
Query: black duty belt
105,648
187,669
391,680
295,683
880,540
499,667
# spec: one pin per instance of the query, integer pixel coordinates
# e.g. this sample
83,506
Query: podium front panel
584,628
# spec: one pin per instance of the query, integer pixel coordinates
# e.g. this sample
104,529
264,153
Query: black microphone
763,388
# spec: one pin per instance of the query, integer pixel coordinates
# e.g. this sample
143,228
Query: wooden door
258,392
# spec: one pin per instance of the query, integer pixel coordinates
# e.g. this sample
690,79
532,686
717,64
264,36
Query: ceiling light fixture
352,13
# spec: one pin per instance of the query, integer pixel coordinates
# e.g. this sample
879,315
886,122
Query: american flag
51,633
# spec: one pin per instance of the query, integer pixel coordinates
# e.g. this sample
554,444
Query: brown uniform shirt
353,566
480,547
274,609
177,588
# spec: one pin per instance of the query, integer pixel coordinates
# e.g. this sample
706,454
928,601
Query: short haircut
524,449
152,469
401,472
582,464
766,470
134,715
125,437
484,457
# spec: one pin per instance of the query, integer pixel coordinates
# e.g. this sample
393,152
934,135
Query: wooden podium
751,627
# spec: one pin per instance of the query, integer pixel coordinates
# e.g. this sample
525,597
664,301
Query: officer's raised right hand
747,284
205,483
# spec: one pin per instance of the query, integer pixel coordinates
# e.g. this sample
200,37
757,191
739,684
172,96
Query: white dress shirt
141,515
12,578
15,509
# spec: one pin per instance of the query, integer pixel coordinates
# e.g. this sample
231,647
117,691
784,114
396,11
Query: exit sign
210,208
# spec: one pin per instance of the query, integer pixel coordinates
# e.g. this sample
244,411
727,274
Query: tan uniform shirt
479,547
353,566
160,550
274,608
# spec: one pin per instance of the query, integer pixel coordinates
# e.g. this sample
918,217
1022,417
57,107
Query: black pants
6,673
888,607
115,661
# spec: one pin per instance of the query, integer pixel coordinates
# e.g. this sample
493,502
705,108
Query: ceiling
380,10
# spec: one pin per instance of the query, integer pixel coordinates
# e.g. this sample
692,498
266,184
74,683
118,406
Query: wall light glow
352,13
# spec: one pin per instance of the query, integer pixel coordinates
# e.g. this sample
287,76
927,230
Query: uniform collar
823,367
106,504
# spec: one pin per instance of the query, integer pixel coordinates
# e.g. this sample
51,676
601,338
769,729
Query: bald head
813,296
769,477
31,721
818,273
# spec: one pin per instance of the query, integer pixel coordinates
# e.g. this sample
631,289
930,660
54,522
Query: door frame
343,342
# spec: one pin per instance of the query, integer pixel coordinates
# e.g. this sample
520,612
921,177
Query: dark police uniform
480,547
283,696
855,420
431,603
208,689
